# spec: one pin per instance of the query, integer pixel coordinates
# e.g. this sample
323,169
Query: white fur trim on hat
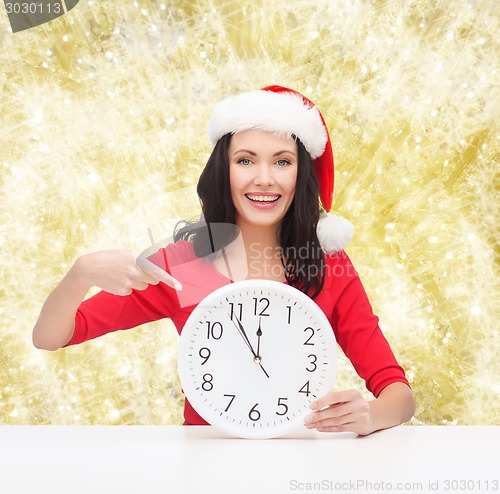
281,113
334,232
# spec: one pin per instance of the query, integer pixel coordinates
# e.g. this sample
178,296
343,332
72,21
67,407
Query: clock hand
259,358
259,334
241,330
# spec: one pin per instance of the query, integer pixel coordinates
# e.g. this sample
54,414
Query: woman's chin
262,219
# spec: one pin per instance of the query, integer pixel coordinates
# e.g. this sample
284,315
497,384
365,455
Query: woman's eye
282,162
244,161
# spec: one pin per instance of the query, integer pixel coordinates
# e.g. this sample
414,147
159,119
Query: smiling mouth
262,199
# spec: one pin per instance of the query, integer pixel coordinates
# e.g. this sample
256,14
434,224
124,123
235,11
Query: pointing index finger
157,272
166,278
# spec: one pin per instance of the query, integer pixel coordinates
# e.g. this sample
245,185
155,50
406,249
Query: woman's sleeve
104,312
361,339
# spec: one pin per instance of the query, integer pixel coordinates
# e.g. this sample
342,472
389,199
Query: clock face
253,355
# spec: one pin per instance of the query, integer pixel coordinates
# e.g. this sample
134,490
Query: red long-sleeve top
342,299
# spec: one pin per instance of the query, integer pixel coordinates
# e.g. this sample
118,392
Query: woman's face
262,175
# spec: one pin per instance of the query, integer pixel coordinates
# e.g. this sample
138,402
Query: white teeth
263,198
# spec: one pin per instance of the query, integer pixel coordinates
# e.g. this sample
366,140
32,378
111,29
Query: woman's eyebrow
255,154
245,151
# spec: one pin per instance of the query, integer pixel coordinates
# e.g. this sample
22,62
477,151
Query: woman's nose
264,175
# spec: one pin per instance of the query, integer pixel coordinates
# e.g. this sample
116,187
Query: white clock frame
240,390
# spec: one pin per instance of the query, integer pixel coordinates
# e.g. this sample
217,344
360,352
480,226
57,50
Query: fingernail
313,406
177,285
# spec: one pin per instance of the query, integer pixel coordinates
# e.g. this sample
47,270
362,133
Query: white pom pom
334,232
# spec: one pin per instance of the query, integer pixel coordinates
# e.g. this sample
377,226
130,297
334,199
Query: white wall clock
253,355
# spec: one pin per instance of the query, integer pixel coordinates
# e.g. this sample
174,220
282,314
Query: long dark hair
302,256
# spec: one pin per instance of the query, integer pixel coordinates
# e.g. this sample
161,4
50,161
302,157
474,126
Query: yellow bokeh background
103,116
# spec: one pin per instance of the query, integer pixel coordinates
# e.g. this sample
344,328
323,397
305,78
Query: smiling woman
270,168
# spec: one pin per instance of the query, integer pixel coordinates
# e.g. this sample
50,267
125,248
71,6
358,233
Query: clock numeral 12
261,302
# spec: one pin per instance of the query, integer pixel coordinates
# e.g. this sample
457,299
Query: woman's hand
348,411
341,411
117,272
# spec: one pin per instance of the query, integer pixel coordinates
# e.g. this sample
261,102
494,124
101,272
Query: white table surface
192,460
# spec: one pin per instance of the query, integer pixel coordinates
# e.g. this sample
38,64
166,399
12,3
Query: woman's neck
263,252
259,238
254,254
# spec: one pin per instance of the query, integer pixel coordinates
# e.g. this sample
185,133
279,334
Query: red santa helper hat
287,112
